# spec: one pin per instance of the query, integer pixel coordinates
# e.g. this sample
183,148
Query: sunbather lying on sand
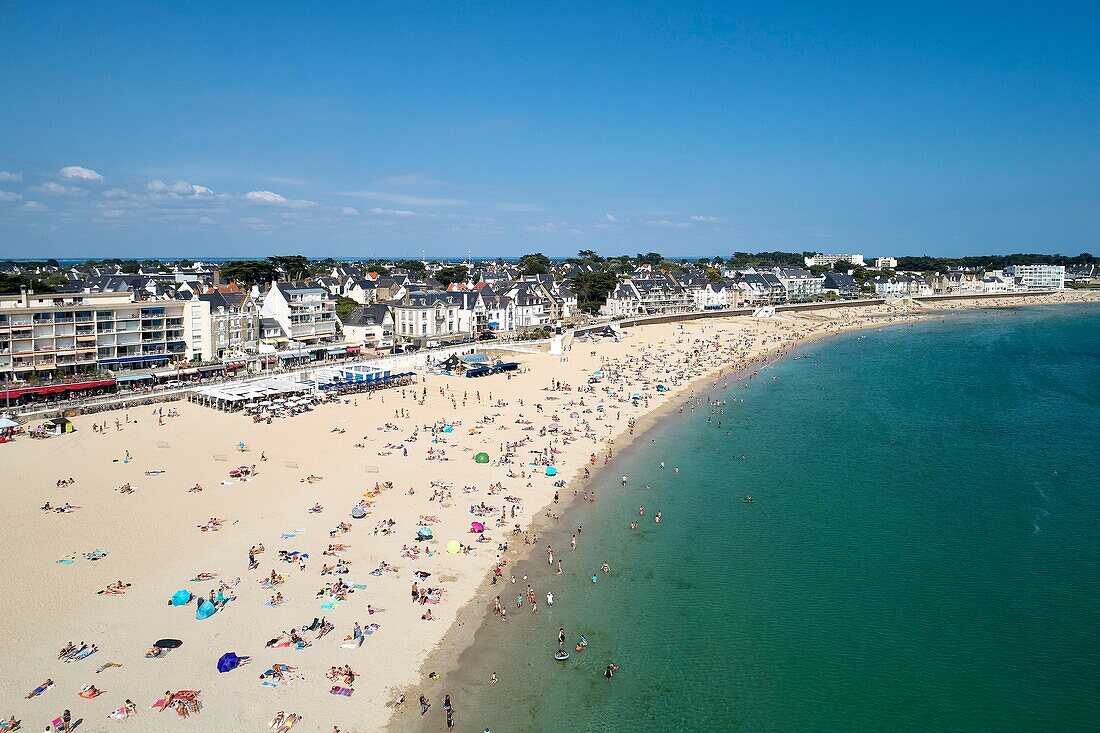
115,589
40,689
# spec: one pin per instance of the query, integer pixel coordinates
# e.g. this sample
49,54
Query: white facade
800,284
830,260
431,315
1039,277
715,296
306,314
57,334
886,263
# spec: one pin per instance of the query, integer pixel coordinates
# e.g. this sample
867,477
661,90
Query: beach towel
349,645
66,561
117,714
330,606
344,691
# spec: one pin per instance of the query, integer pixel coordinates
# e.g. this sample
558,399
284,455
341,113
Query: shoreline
475,617
158,539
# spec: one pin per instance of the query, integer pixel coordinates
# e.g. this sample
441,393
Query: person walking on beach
424,705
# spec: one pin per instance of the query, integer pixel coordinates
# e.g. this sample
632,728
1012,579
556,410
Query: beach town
257,566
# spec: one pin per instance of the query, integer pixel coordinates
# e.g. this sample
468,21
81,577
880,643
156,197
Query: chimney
217,277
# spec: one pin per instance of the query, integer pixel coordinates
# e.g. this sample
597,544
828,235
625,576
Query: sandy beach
408,453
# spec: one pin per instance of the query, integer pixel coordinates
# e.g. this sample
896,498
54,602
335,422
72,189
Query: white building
886,263
306,314
715,296
370,326
56,335
799,284
830,260
433,315
1039,277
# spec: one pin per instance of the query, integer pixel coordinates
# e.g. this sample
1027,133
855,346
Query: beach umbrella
167,643
206,610
228,662
424,533
453,547
180,598
482,458
551,471
477,526
448,428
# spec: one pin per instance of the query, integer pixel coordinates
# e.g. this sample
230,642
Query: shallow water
923,551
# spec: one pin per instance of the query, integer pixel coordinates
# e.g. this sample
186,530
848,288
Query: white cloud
180,188
80,173
113,213
10,177
206,220
392,212
32,206
266,197
270,197
9,196
400,198
56,189
709,219
611,218
667,223
349,211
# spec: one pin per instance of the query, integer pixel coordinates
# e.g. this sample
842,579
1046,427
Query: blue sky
358,129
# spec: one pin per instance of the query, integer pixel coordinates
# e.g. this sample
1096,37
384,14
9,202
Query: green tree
344,306
378,267
249,272
130,267
413,267
650,258
534,264
295,267
713,274
452,274
592,288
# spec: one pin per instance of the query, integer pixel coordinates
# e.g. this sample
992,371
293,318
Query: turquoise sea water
923,552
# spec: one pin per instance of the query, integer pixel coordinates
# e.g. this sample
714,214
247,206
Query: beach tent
358,512
482,458
453,547
551,471
205,611
448,428
477,527
180,598
6,424
424,533
228,662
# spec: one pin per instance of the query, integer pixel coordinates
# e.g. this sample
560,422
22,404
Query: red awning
234,365
354,349
48,389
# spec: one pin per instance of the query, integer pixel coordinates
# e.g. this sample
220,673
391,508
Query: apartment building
434,315
1038,277
830,260
306,313
58,335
